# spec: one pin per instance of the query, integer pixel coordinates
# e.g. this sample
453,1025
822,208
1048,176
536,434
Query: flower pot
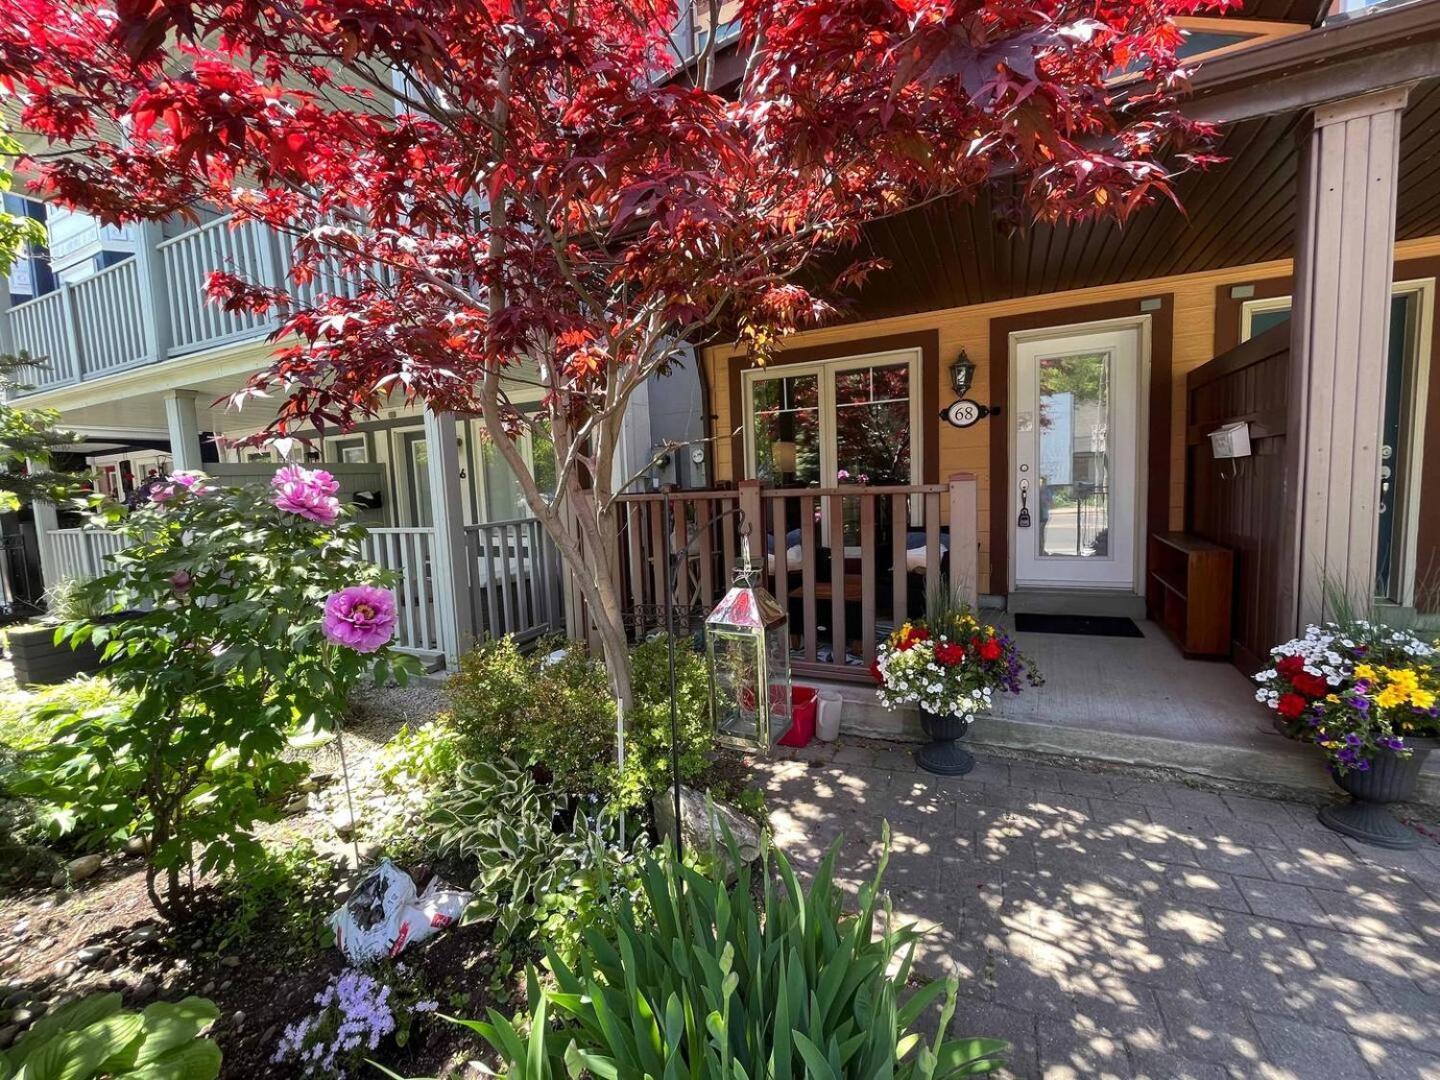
38,661
942,755
1366,815
827,727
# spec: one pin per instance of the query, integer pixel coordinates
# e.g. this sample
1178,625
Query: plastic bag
384,914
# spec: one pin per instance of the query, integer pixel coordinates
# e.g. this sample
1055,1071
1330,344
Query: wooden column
184,424
752,525
47,520
154,296
965,539
449,573
1340,328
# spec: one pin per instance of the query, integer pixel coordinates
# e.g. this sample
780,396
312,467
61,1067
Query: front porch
1131,701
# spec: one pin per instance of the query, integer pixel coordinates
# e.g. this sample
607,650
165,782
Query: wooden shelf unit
1189,585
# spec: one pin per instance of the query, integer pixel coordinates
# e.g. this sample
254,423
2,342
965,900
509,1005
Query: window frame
824,371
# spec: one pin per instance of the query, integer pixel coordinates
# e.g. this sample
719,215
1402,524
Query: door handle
1023,520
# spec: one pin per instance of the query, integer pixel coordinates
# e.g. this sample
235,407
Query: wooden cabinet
1190,583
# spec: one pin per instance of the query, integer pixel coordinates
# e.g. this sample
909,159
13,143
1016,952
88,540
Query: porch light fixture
747,651
962,374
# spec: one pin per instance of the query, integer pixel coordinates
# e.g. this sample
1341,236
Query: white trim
826,405
1143,326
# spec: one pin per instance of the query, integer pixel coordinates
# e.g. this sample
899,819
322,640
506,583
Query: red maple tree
535,191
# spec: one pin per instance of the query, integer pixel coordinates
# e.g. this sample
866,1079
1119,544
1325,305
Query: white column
154,297
449,573
7,335
1340,329
183,421
47,520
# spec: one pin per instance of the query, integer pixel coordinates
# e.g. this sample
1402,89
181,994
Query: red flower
949,654
875,671
1313,686
990,649
912,637
1290,706
1290,666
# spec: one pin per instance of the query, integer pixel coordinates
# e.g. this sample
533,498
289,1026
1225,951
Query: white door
1075,425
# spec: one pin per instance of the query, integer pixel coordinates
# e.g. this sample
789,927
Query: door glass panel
419,455
787,430
1074,460
1395,439
503,498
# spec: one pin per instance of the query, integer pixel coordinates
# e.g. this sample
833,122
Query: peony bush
235,615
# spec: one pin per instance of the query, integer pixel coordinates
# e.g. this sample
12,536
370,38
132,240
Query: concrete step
1076,602
1277,762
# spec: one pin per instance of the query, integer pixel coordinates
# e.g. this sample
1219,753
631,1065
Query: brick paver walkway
1113,927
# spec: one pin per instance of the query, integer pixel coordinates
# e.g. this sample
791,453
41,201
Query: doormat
1087,625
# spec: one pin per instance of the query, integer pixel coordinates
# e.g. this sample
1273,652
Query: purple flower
361,617
308,493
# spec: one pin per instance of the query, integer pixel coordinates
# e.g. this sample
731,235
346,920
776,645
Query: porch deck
1129,700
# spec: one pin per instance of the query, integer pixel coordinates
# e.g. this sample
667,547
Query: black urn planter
38,661
1366,815
943,755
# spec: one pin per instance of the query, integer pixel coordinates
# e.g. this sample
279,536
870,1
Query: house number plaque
966,413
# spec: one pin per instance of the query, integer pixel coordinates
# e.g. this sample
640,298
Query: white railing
514,580
107,319
40,329
188,259
410,553
82,554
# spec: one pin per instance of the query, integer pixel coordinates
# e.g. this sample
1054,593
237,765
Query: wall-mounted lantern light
962,374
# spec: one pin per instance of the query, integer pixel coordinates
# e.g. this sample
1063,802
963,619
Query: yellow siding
968,449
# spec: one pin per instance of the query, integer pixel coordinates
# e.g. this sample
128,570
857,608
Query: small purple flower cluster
307,493
355,1014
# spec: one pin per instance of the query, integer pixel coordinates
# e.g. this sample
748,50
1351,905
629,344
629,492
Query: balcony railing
100,325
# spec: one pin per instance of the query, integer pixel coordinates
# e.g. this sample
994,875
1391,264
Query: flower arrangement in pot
951,666
1368,695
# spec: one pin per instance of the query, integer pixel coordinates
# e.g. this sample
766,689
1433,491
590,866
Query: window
851,420
503,498
1207,38
352,450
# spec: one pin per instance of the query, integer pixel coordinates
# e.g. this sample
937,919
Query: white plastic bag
384,914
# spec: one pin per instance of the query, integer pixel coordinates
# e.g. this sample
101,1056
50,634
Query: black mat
1087,625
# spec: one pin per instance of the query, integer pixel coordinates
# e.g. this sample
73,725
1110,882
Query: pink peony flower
361,617
191,482
181,581
309,493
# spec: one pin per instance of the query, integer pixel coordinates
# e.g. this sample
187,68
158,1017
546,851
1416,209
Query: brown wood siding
1241,503
1227,336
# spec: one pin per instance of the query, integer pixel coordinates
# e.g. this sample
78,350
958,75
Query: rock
343,822
208,989
139,844
238,1020
143,935
90,955
703,829
145,992
8,1034
23,1016
230,962
85,866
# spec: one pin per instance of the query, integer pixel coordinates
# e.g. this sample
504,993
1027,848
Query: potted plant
1368,695
38,659
950,665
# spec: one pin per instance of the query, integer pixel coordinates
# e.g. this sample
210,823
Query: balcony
152,307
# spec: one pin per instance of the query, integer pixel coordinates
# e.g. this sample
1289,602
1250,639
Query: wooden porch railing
514,580
849,563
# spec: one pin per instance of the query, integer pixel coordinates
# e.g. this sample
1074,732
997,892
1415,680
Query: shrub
710,985
554,707
235,646
94,1037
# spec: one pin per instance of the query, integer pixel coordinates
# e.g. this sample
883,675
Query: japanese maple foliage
522,191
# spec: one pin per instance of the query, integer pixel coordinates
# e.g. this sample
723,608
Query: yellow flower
1422,699
1364,671
1332,698
1391,696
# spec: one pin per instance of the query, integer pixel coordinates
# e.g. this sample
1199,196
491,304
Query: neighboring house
1103,356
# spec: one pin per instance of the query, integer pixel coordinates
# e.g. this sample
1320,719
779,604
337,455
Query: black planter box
39,661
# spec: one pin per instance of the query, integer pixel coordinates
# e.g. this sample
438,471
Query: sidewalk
1115,926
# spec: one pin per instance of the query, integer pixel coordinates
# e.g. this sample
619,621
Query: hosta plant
531,867
708,984
95,1037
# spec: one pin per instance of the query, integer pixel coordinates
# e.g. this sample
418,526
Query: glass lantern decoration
747,647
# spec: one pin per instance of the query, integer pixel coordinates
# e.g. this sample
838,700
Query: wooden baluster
679,538
704,525
867,576
779,551
837,579
656,512
899,573
965,539
932,541
634,512
807,572
729,528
